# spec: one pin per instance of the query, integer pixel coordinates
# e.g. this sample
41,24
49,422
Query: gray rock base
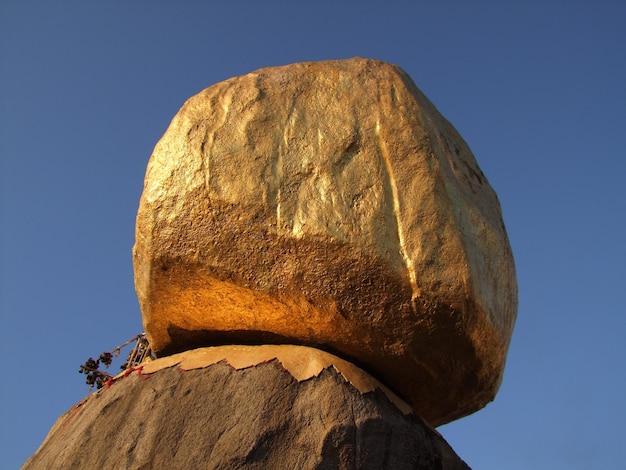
254,418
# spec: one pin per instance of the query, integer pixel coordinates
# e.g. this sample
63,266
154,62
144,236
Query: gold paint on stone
330,205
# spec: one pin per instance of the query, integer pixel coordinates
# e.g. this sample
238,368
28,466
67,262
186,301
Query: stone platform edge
302,362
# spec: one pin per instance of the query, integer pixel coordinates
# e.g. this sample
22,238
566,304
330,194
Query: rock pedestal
214,415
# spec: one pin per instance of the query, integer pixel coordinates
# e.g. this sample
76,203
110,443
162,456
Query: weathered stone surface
261,417
329,204
301,362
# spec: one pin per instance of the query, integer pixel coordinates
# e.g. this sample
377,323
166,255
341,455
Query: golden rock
330,205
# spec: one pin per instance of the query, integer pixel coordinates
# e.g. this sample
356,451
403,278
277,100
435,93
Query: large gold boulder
329,204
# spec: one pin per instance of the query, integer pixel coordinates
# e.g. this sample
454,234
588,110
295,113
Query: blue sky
535,88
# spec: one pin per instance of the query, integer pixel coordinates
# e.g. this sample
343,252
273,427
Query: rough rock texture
222,418
329,204
301,362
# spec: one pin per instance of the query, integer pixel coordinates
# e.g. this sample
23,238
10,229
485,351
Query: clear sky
537,89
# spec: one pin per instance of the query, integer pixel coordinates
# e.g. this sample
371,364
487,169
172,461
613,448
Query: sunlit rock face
329,204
